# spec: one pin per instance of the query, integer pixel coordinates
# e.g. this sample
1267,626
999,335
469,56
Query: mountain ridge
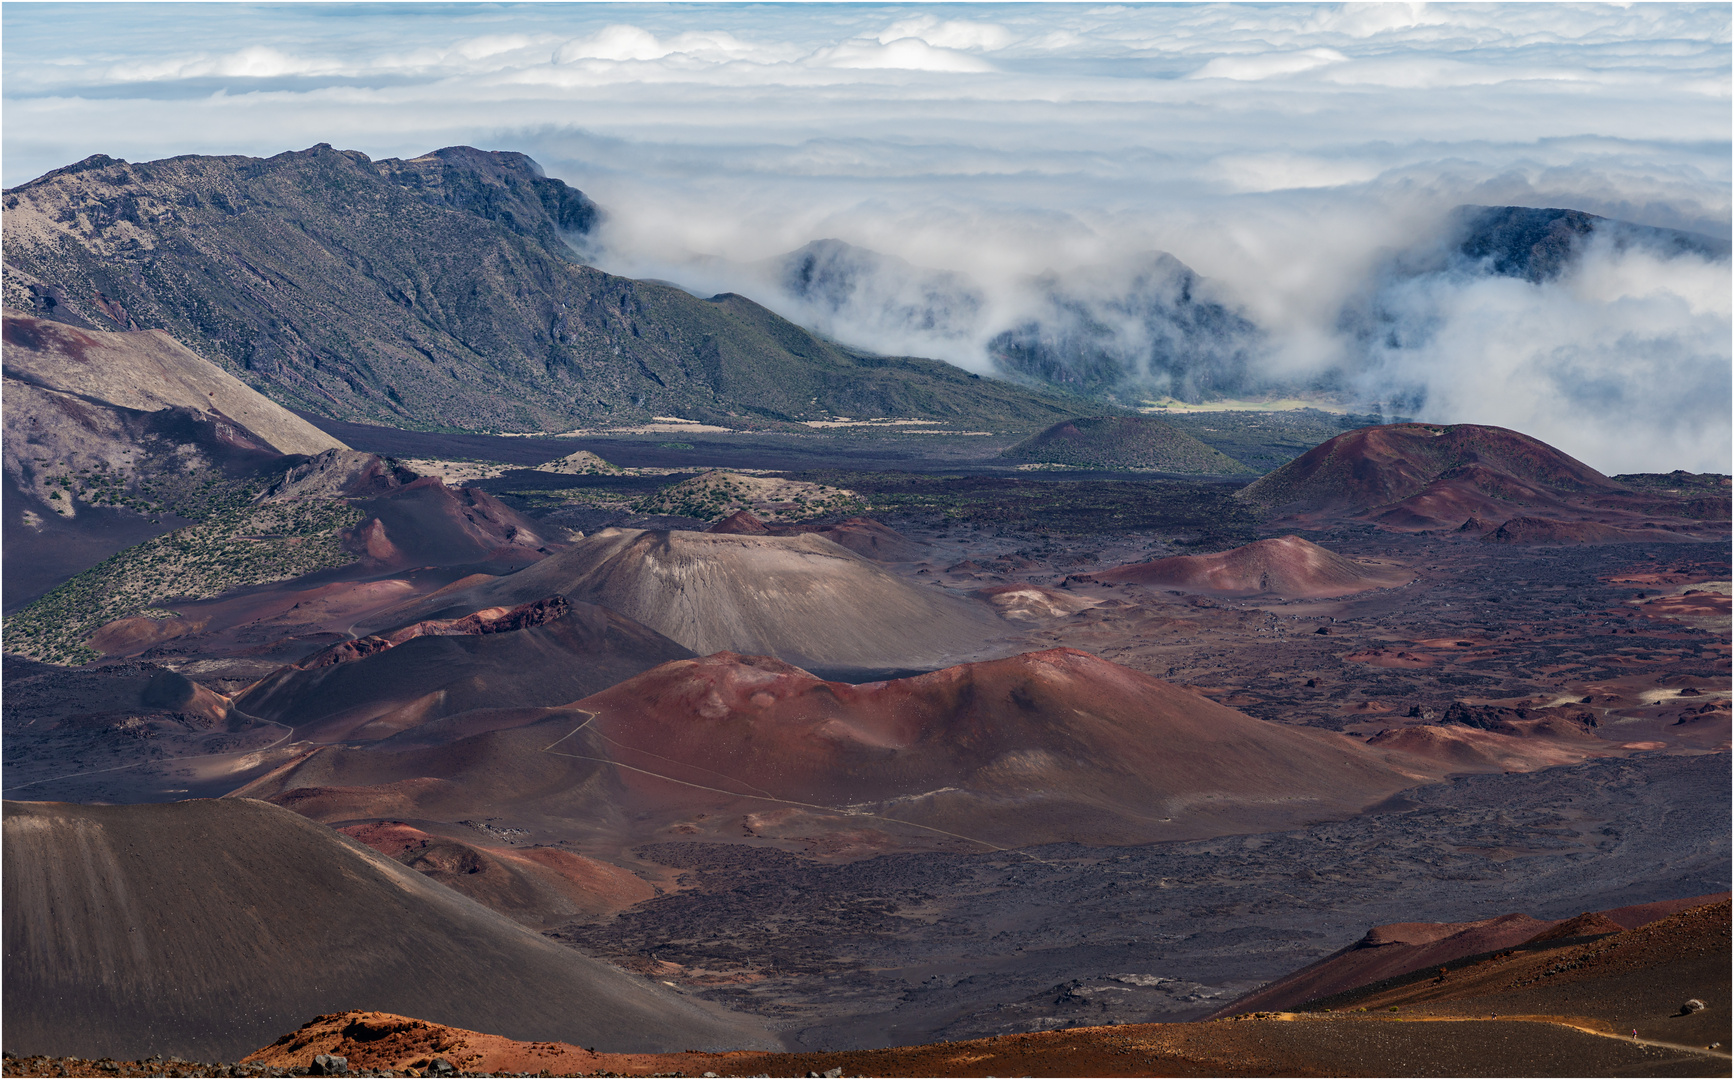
438,293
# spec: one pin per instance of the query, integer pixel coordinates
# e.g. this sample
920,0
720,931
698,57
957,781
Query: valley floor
1069,959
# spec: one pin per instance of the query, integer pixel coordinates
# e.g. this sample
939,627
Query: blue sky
1282,151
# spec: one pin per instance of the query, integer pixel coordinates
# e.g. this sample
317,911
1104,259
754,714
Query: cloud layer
1280,152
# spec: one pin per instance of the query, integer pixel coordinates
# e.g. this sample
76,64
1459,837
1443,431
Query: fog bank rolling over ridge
1003,162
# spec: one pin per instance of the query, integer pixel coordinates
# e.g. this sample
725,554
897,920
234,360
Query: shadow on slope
542,654
203,928
800,597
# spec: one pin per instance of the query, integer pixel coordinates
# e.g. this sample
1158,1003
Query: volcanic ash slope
108,437
800,598
1288,567
1389,952
1380,469
1666,980
1039,748
1470,478
146,371
205,928
538,655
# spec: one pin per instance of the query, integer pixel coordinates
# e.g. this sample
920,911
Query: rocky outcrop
331,282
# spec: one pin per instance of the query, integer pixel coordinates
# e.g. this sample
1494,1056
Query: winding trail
1701,1051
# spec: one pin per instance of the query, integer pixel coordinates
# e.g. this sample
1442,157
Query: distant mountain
1112,332
1123,442
1130,332
437,292
843,285
1535,244
1150,325
1538,244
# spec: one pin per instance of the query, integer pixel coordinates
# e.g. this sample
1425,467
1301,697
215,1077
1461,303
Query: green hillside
1123,442
435,293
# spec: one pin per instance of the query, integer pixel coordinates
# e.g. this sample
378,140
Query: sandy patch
455,473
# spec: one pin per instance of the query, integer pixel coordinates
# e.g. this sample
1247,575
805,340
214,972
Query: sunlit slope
434,293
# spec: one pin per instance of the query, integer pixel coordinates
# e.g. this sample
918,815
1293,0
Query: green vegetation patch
582,463
1192,512
600,498
1123,442
232,549
510,335
1262,440
717,494
1678,482
195,491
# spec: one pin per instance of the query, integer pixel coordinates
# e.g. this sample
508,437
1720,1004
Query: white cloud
1280,150
1623,363
949,33
1268,65
622,42
1369,19
252,62
1277,171
903,54
613,43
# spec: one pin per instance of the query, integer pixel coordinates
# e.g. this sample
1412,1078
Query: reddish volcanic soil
1383,465
537,886
1031,749
1401,948
1470,479
1268,1045
1035,748
1540,1009
1287,567
1636,979
541,654
1535,745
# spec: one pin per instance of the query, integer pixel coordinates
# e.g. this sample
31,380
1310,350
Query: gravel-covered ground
906,949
